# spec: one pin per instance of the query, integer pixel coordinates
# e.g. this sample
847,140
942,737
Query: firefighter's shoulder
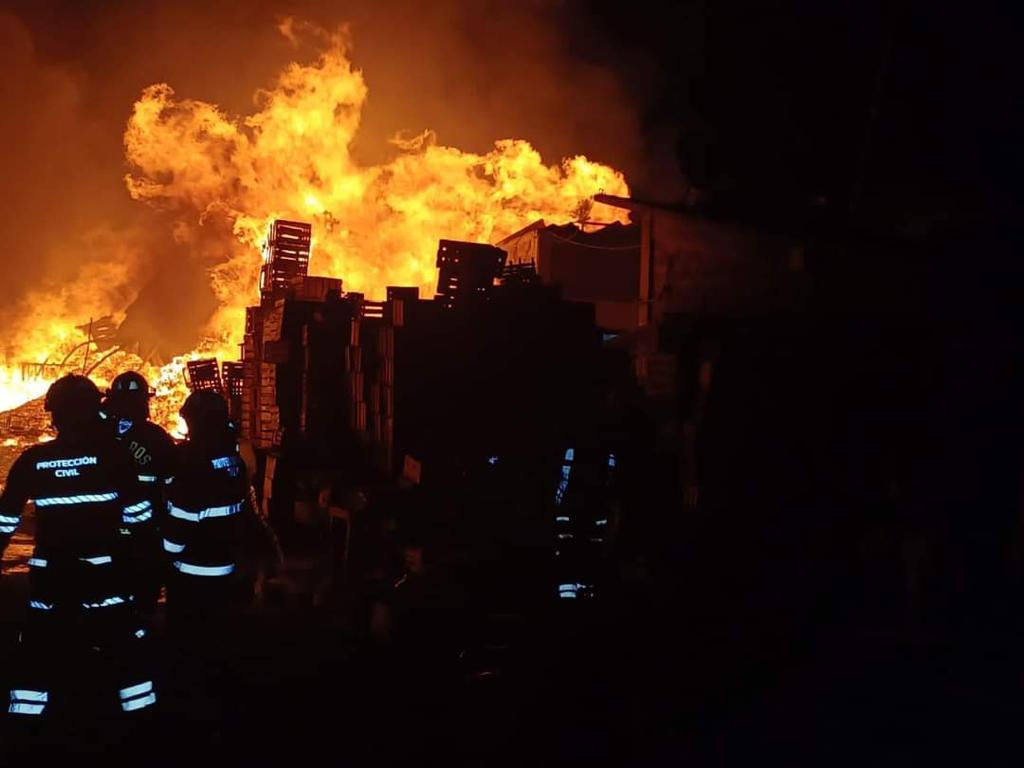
41,453
53,458
186,454
30,457
110,451
154,436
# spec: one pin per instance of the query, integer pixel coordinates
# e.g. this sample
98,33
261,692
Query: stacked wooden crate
466,271
252,341
233,378
203,375
234,386
371,381
322,371
303,355
355,380
308,338
268,414
286,256
502,367
382,419
372,357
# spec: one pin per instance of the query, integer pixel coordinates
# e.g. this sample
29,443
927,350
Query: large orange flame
374,226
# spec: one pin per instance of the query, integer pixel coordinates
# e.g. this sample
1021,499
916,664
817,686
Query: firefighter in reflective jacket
585,510
208,507
80,611
151,449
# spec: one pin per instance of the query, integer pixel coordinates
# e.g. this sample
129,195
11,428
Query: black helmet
129,383
205,406
72,398
128,397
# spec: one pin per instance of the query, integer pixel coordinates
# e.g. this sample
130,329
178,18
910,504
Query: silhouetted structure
600,267
204,375
285,256
466,271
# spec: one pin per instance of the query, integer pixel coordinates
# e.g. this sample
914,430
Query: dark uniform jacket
206,502
85,491
152,451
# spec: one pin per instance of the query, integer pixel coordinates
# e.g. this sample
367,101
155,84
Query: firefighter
586,508
151,449
210,515
80,616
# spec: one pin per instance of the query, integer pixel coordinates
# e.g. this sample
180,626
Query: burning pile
225,178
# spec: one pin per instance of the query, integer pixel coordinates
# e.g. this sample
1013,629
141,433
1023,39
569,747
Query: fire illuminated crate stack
203,375
234,386
294,367
269,413
354,381
330,388
354,368
294,352
467,271
381,420
375,333
405,354
285,256
415,364
233,381
251,373
402,346
521,274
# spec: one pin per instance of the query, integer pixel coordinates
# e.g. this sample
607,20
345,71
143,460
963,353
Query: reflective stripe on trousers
42,562
204,570
136,697
173,547
137,513
27,702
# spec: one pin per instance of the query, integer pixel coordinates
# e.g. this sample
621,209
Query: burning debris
20,428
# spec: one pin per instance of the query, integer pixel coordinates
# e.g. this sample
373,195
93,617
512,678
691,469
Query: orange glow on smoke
373,226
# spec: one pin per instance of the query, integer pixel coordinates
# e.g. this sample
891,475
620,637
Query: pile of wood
292,361
286,256
453,382
496,363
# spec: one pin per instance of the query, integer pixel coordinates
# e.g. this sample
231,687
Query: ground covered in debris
635,678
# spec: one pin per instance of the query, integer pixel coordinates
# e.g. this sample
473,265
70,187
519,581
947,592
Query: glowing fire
374,226
14,390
